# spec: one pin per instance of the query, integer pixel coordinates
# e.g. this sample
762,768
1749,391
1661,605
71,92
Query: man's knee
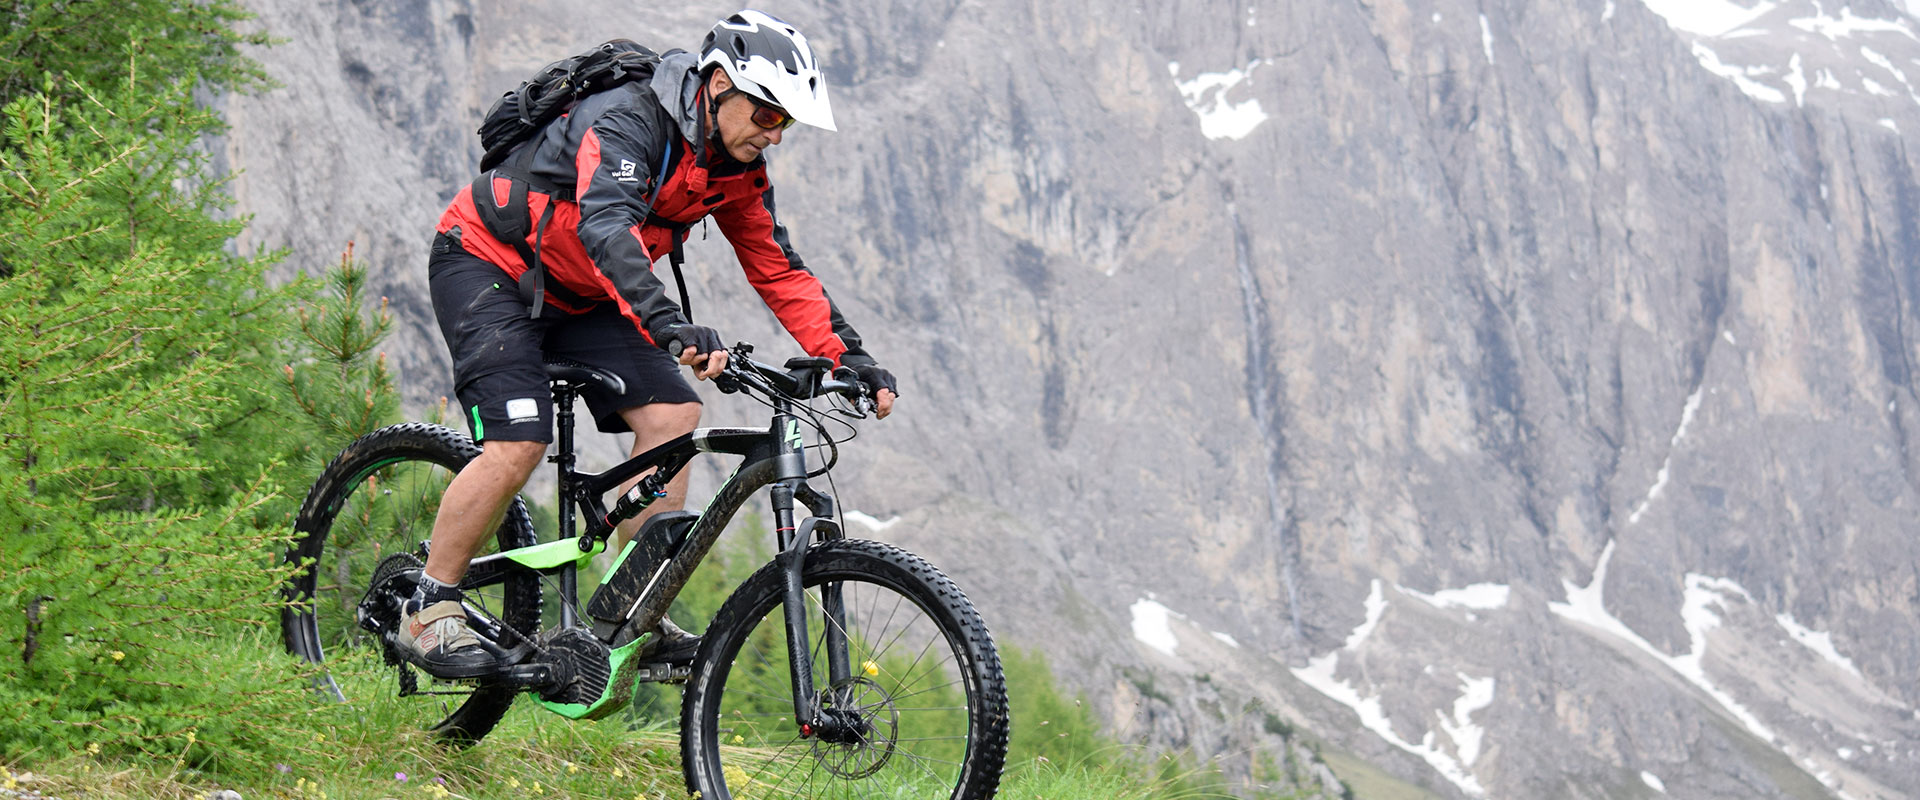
662,420
518,458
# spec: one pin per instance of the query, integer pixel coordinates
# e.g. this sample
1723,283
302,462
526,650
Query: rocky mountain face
1509,398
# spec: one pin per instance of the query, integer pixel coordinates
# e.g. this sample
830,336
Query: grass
373,747
533,755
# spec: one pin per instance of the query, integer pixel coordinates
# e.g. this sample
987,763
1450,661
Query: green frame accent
552,555
610,700
620,559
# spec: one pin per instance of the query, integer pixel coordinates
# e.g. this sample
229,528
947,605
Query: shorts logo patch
522,409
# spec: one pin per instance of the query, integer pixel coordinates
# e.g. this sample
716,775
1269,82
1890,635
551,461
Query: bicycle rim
376,500
924,681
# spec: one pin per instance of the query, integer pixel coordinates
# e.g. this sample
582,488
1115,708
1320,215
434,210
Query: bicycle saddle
581,375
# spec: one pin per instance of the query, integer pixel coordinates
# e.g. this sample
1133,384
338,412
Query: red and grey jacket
623,178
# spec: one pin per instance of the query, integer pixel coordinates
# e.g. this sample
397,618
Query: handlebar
802,378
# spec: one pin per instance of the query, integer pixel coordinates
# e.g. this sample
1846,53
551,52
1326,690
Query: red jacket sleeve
784,282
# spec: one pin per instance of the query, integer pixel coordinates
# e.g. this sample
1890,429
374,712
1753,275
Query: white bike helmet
768,59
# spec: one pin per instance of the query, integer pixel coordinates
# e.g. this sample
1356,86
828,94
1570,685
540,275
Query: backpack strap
512,221
677,231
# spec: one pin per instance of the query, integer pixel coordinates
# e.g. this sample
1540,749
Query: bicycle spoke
906,722
369,511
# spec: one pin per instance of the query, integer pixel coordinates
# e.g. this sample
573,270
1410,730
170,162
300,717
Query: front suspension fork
807,706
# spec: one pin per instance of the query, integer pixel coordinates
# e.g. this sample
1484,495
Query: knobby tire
378,497
926,677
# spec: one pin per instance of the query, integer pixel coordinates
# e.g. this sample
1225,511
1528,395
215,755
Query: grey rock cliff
1489,391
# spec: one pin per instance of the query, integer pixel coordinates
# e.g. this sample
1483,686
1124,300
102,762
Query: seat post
563,394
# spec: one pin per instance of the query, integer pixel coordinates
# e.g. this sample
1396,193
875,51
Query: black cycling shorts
498,351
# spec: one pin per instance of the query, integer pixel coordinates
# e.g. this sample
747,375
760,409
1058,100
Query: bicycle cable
817,419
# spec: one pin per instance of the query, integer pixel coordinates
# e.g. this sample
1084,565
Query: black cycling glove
876,378
681,335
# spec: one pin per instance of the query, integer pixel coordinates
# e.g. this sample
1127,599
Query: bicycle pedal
663,673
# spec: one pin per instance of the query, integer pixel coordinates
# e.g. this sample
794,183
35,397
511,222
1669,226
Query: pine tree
151,455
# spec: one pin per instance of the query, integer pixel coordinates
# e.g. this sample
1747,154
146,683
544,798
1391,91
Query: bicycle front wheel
373,506
922,686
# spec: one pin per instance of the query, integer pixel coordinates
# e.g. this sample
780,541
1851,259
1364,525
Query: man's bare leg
654,425
435,632
475,502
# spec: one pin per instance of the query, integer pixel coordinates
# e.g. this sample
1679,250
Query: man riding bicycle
609,188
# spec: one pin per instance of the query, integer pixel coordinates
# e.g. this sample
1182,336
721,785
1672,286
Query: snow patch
1707,17
1587,605
1376,608
1476,694
868,521
1820,642
1846,25
1486,38
1653,781
1696,611
1741,76
1229,640
1153,626
1660,479
1319,674
1797,81
1701,22
1206,95
1479,597
1885,63
1889,124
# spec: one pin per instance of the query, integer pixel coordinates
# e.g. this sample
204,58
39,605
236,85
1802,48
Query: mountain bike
841,668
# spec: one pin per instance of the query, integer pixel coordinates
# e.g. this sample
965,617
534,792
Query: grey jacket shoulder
638,117
674,84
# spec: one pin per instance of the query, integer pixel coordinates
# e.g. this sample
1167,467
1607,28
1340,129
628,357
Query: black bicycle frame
774,456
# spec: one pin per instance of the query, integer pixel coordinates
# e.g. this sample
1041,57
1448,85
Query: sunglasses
769,117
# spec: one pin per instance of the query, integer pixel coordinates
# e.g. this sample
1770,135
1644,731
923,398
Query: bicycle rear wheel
378,498
925,684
